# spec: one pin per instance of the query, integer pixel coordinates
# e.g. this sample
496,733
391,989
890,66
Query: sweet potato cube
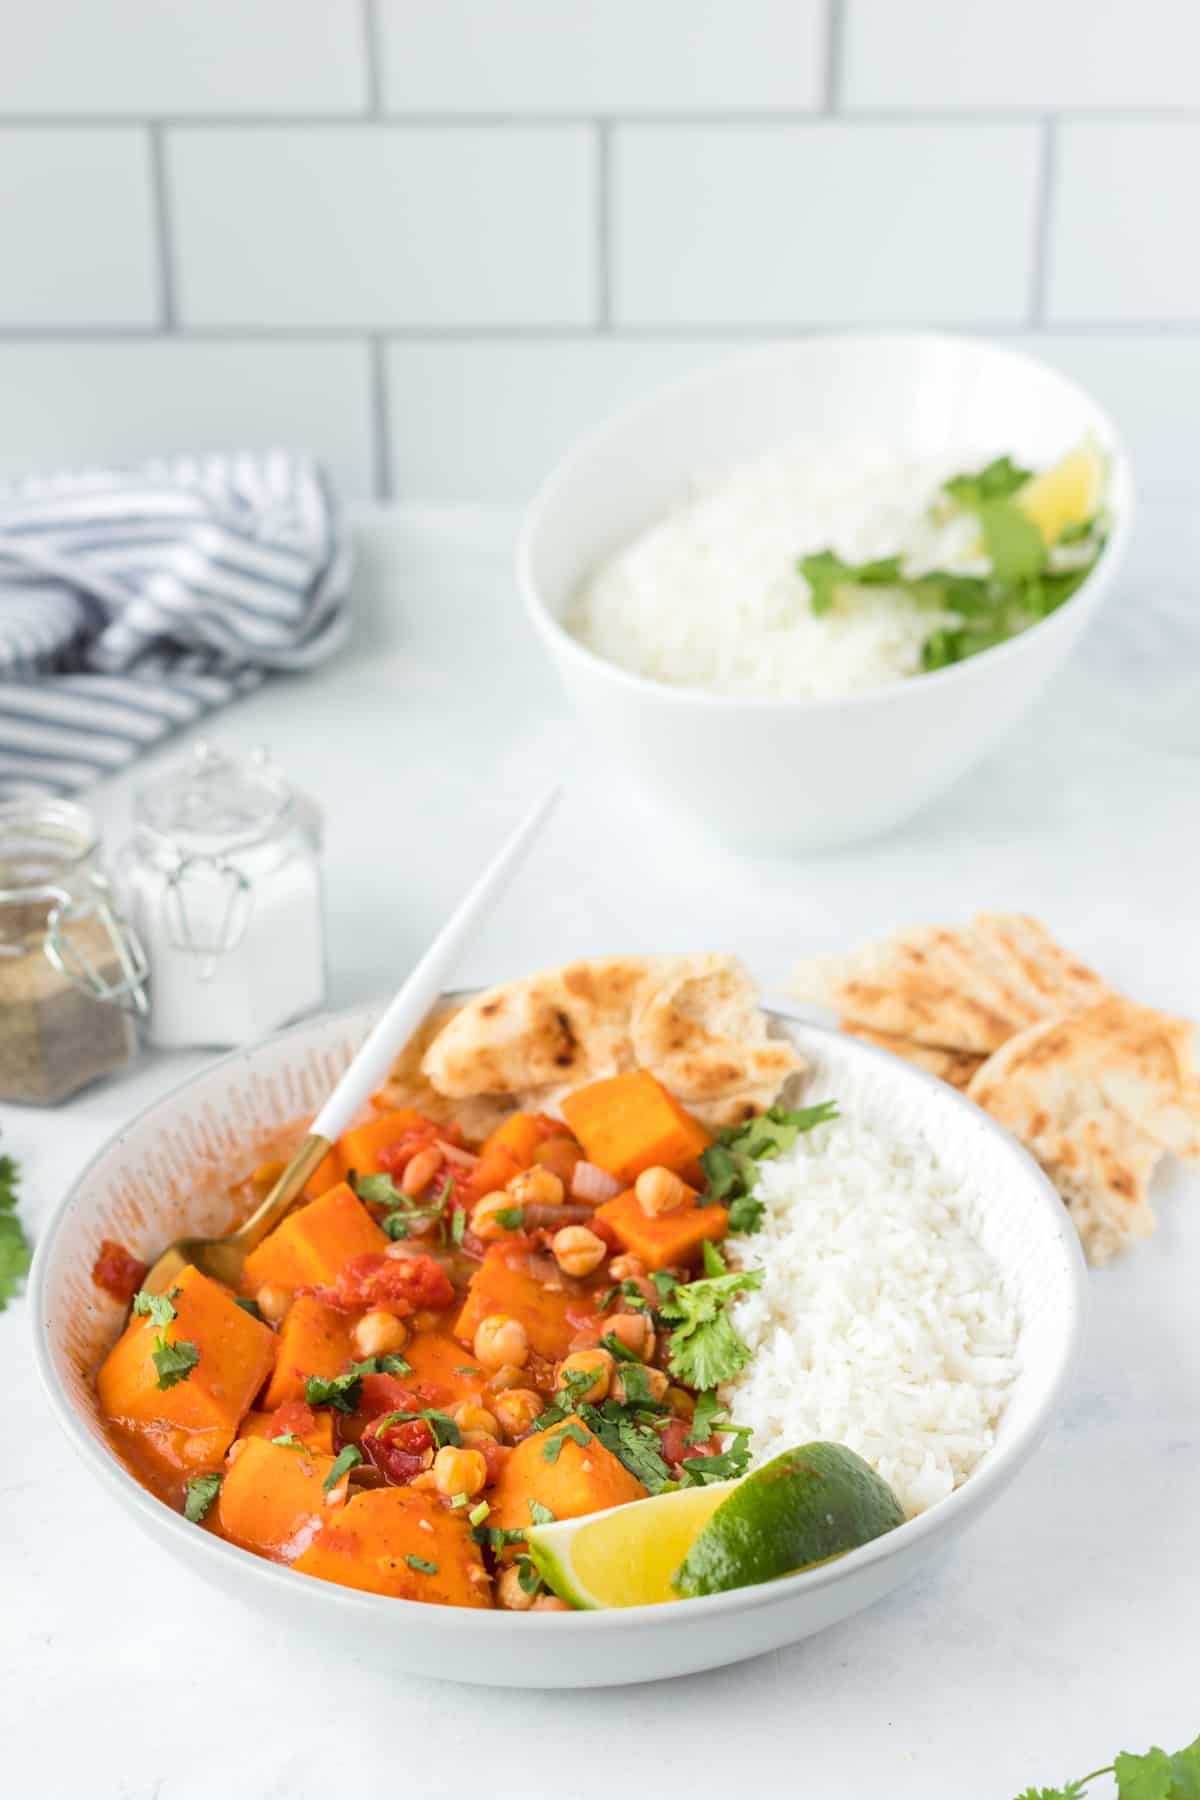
401,1542
520,1135
437,1361
313,1340
503,1284
570,1477
190,1424
360,1146
630,1122
317,1434
313,1242
272,1498
673,1237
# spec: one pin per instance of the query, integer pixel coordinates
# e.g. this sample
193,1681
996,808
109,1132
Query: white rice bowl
881,1322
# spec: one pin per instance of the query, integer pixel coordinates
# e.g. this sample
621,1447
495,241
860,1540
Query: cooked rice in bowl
882,1323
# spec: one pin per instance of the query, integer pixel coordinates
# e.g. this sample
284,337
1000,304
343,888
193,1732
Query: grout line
835,44
370,27
161,208
681,332
1047,174
380,417
440,121
603,225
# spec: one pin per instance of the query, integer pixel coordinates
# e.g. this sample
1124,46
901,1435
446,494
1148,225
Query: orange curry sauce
394,1395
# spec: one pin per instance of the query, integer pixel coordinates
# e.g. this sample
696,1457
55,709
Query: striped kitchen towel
134,601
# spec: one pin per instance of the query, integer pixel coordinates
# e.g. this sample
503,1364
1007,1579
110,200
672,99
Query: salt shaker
222,884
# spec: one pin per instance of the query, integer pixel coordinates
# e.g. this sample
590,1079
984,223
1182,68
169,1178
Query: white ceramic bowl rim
565,641
960,1505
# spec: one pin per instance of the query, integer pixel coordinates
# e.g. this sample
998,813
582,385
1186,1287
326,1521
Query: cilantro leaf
346,1459
344,1392
632,1441
155,1307
1157,1776
509,1218
539,1514
769,1134
704,1349
248,1306
421,1566
552,1448
714,1262
287,1440
479,1513
746,1214
458,1226
378,1190
731,1164
202,1490
997,480
725,1465
15,1254
173,1361
707,1409
441,1425
825,571
528,1578
1012,541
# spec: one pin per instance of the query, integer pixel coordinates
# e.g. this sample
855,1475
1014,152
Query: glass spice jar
223,885
72,973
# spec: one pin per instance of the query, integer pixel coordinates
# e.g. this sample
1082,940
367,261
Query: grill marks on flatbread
966,988
1098,1088
693,1021
1099,1098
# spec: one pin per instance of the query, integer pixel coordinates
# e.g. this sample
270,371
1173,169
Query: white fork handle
380,1049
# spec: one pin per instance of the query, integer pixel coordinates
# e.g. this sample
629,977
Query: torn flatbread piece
693,1021
969,987
408,1085
956,1067
1102,1167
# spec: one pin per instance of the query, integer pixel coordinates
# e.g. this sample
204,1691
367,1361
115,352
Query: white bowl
167,1173
799,774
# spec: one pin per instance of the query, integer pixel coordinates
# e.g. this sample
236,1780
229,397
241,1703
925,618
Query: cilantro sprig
344,1392
1154,1775
15,1254
405,1216
704,1349
158,1308
174,1360
346,1459
201,1491
731,1164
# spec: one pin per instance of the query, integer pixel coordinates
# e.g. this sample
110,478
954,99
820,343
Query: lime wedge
1070,493
627,1555
804,1507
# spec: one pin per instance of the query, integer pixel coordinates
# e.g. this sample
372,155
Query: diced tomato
385,1394
398,1449
494,1455
390,1284
394,1158
293,1416
675,1450
117,1271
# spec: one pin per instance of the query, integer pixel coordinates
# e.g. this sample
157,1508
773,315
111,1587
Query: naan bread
954,1066
969,988
1098,1098
694,1021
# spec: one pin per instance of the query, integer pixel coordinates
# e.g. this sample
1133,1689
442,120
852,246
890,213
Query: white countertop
1060,1630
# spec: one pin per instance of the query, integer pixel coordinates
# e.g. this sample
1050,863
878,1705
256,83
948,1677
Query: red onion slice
593,1185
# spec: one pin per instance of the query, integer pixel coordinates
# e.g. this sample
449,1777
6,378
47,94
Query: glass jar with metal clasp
72,971
222,882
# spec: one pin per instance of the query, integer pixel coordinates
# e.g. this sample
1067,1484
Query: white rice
709,595
881,1322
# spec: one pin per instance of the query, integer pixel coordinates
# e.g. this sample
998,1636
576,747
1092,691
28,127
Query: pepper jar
72,972
222,883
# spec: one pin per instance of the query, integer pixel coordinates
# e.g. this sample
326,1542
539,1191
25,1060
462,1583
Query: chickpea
459,1471
480,1440
635,1331
626,1268
469,1416
501,1341
659,1191
550,1603
379,1334
517,1408
507,1376
535,1187
425,1319
420,1172
596,1363
578,1251
652,1385
425,1480
274,1302
484,1222
509,1592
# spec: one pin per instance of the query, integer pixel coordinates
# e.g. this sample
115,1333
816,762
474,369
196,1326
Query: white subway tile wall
435,240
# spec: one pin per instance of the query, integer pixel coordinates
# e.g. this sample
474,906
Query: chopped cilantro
442,1426
378,1190
1013,542
396,1225
458,1501
552,1448
509,1218
698,1471
665,1282
288,1440
746,1214
458,1226
629,1291
621,1351
467,1369
997,480
731,1164
202,1490
635,1381
704,1349
15,1254
528,1578
421,1566
155,1307
174,1361
707,1410
346,1459
632,1440
825,573
249,1306
714,1262
573,1384
496,1537
344,1392
479,1513
539,1514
